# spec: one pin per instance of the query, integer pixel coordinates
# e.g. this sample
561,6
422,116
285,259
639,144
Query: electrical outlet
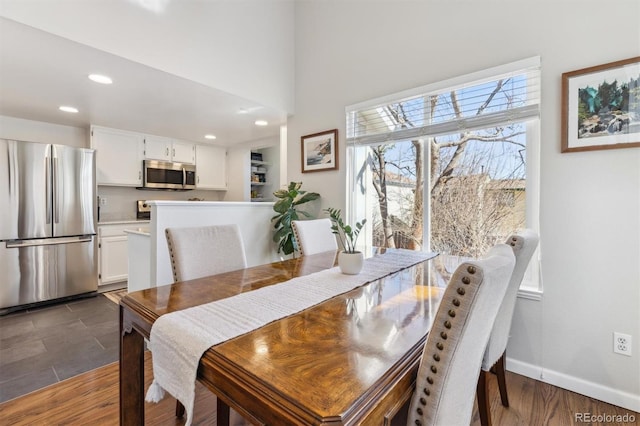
622,343
103,201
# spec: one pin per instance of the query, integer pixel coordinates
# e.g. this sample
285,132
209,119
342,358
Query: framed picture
601,107
320,151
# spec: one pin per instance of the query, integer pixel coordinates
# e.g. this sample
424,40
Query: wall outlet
621,343
103,201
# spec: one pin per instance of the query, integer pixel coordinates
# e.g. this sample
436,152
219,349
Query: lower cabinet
113,256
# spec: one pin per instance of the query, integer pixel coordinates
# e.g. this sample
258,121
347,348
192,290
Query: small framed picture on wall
320,151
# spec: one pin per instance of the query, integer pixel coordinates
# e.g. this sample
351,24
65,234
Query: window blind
490,98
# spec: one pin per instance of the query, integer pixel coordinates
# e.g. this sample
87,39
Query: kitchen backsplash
119,203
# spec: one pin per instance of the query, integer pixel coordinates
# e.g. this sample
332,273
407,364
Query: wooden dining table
349,360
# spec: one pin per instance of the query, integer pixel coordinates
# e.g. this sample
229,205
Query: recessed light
261,122
68,109
247,110
102,79
209,136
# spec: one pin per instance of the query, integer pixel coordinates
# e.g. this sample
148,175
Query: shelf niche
260,176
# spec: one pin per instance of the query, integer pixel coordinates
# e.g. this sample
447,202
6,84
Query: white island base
149,263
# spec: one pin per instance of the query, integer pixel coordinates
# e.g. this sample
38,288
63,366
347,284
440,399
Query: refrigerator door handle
48,241
56,201
47,181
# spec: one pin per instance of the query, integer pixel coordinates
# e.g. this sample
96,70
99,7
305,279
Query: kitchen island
254,220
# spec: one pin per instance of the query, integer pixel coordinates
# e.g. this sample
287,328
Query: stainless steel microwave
168,175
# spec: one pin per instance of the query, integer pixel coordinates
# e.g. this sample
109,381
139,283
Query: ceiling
40,72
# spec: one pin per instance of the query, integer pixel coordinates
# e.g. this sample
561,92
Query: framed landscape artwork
320,151
601,107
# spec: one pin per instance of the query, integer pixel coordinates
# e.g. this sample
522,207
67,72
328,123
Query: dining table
351,359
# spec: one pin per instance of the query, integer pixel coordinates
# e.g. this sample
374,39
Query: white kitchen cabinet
119,156
166,149
157,148
113,254
211,167
183,152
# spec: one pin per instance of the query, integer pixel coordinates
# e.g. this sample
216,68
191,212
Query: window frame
531,287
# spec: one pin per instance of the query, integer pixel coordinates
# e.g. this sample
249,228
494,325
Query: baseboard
593,390
111,287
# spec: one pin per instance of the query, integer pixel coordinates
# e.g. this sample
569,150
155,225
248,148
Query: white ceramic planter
350,263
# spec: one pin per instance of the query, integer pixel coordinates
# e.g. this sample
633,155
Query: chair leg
484,410
179,409
502,383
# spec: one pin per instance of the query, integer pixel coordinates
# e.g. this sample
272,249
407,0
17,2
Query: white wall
238,172
241,47
38,131
351,51
252,218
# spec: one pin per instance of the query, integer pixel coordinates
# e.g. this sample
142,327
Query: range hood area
167,175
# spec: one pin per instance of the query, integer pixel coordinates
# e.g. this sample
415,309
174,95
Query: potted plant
350,260
288,200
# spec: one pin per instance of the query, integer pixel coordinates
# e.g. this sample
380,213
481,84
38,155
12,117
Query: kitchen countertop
144,231
124,222
207,204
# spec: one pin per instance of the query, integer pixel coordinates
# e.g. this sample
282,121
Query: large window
450,167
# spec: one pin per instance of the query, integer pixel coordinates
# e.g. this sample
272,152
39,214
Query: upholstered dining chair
523,244
205,250
196,252
452,355
314,236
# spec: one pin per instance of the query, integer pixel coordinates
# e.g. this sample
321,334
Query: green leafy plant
288,200
347,235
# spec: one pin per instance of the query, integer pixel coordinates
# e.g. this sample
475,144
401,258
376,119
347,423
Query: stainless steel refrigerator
47,223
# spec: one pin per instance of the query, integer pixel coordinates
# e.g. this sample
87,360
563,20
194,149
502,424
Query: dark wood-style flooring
44,345
92,398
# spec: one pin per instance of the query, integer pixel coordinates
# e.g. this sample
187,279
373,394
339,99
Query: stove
143,210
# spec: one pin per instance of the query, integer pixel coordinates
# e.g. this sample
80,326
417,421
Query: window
450,167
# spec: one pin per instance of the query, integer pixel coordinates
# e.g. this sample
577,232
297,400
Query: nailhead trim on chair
441,349
174,266
296,237
496,341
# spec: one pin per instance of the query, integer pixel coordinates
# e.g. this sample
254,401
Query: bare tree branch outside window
477,181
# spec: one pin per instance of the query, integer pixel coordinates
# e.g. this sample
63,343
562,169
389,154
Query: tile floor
42,346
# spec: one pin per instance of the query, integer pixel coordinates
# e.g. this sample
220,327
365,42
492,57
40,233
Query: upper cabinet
183,152
211,167
165,149
157,148
119,156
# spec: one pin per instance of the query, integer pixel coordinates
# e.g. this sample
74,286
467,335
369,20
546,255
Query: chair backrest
314,236
450,365
523,243
205,250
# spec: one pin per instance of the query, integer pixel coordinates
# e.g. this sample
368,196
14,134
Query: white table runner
179,339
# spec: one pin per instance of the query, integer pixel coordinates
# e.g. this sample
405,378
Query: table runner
179,339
